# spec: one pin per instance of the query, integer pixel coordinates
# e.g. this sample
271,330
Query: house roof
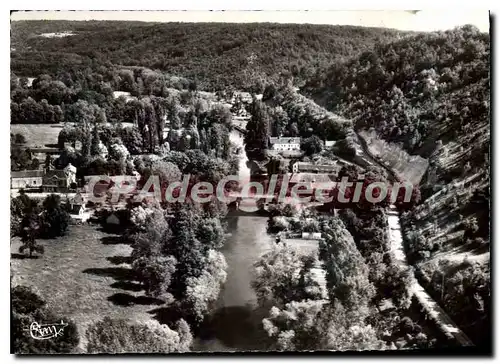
330,143
75,209
310,177
27,174
310,167
261,165
276,140
55,174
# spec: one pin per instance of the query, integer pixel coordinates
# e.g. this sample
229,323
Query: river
234,323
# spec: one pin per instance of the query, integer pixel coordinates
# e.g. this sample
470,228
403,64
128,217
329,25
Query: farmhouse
59,180
304,167
284,144
26,179
77,210
49,180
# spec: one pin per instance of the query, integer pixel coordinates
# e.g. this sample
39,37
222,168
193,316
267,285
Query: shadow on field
118,273
23,256
125,299
128,286
118,259
168,315
114,240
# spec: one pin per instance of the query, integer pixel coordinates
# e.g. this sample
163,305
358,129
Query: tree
312,145
19,139
318,325
27,308
29,233
204,289
55,219
95,146
118,152
132,139
156,272
282,276
256,138
118,336
346,270
20,158
47,164
35,163
180,159
167,172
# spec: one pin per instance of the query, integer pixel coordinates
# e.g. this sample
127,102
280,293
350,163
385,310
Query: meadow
84,276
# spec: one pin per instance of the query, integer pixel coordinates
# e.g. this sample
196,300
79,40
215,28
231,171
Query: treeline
216,56
297,115
342,309
416,91
55,98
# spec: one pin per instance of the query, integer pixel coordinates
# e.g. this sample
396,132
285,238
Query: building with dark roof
49,180
305,167
26,179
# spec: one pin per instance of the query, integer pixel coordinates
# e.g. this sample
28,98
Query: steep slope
430,94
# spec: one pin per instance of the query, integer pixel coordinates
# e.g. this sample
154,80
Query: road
450,329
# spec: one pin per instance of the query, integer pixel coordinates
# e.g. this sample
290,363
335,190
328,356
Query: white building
305,167
284,144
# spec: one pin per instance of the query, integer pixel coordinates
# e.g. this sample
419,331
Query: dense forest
216,56
429,94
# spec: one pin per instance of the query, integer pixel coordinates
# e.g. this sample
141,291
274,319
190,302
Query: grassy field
41,135
84,276
37,135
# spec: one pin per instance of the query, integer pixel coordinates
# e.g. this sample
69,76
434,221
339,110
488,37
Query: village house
329,144
313,179
282,144
26,179
76,206
244,97
257,168
306,167
59,180
41,152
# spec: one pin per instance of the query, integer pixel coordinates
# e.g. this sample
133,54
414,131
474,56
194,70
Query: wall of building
26,182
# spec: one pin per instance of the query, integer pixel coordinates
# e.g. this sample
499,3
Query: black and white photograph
241,182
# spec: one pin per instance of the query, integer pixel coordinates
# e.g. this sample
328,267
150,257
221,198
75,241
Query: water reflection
236,323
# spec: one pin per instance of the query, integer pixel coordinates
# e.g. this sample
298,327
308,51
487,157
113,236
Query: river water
235,324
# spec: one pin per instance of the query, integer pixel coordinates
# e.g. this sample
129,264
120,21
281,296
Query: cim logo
46,331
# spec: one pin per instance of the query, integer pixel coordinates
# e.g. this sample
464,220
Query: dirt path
431,307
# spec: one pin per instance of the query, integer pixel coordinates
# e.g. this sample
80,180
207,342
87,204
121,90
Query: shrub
27,308
119,336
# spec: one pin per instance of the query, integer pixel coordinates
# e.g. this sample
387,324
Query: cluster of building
59,181
46,180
